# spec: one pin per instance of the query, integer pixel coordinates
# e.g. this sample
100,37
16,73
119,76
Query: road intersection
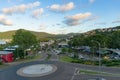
65,71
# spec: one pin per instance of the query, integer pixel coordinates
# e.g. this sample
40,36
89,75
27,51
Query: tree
102,39
115,43
64,50
24,39
76,41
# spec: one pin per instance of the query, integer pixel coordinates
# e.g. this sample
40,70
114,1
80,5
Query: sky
59,16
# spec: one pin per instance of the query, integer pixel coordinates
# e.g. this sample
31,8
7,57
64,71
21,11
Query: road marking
74,73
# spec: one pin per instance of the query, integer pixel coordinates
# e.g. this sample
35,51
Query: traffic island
37,70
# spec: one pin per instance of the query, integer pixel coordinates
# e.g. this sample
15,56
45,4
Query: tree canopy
24,39
111,40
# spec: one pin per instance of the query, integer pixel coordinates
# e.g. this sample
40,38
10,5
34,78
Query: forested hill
9,34
102,31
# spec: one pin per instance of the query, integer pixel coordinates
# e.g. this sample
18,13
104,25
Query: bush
19,53
77,61
0,63
89,62
111,62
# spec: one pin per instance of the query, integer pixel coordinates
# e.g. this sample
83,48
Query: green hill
9,34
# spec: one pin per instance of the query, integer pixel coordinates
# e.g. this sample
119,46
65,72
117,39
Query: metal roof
4,52
115,50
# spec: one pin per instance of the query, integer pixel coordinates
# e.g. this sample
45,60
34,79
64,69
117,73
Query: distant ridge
9,34
39,35
103,31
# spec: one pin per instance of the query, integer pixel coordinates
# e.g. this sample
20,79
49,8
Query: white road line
74,73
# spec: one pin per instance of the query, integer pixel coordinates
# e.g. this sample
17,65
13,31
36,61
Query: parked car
80,57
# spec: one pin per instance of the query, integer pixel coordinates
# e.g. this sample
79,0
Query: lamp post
99,53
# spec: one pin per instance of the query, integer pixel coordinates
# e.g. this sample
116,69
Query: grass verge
65,58
30,58
91,72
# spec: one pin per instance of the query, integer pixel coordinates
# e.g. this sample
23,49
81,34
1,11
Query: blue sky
59,16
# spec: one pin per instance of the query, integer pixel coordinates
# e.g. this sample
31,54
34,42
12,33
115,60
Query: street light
99,53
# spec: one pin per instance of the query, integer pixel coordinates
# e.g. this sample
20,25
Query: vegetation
0,63
111,40
30,58
25,40
19,53
7,35
97,73
89,62
66,59
39,35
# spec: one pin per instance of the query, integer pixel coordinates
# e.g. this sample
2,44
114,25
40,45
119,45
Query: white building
2,42
46,43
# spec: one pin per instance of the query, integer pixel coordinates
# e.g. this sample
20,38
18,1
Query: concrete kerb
21,73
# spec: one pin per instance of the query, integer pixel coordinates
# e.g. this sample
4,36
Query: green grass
113,63
30,58
3,66
97,73
66,59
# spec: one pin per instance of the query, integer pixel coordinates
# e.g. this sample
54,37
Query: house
11,48
115,53
6,56
43,44
62,44
2,42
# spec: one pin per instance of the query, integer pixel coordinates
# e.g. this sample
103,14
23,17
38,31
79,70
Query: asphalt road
65,71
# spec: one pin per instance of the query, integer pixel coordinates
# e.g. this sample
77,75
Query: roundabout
53,70
37,70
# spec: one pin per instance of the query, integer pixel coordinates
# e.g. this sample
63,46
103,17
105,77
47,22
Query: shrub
77,61
0,63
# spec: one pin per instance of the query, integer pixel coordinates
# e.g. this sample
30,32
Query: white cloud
42,26
5,21
116,21
61,8
20,8
38,12
79,16
74,20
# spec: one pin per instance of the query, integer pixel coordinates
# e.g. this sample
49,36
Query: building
63,44
11,48
2,42
42,44
6,56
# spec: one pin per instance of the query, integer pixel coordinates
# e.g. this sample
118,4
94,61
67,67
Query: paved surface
54,57
36,70
65,71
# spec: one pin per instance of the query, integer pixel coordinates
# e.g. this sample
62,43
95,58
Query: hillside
102,31
9,34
